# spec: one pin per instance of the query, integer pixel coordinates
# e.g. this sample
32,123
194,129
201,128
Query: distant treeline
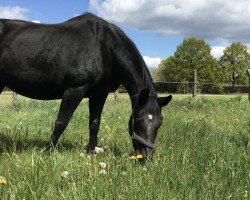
213,75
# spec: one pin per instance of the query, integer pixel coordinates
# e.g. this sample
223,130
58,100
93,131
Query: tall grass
202,152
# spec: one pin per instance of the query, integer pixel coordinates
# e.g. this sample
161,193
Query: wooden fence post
14,97
195,83
116,94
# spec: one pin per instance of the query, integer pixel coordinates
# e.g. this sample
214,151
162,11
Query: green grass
202,152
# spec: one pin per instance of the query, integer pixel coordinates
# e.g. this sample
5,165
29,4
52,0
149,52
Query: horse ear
163,101
143,97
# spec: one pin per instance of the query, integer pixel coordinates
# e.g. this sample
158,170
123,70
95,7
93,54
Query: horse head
145,121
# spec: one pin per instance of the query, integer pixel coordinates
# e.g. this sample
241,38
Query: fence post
195,83
116,94
14,97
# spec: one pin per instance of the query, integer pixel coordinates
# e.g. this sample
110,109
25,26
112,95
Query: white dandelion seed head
82,155
107,127
103,165
124,173
65,174
99,150
103,172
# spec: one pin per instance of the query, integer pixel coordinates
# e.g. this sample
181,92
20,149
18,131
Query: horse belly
37,79
33,85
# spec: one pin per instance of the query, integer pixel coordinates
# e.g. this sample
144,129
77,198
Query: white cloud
8,12
248,47
76,15
152,62
36,21
209,19
217,51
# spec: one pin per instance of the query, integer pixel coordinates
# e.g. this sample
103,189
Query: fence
188,87
201,87
193,87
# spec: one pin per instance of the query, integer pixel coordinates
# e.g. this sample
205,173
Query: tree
166,70
234,63
192,54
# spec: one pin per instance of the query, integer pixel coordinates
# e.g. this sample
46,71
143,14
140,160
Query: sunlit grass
202,152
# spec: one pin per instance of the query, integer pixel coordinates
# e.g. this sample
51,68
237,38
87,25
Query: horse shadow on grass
10,144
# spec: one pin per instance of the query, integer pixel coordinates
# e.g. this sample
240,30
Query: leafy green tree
192,54
235,61
166,71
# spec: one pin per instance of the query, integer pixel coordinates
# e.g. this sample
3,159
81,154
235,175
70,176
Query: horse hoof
91,151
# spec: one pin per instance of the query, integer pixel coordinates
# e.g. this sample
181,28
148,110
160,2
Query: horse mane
117,30
144,69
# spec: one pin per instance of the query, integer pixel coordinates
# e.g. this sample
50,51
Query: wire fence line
194,86
224,84
202,87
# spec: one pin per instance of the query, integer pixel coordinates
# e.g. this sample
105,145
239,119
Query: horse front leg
71,99
95,110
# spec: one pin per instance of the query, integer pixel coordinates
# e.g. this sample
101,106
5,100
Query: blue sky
157,27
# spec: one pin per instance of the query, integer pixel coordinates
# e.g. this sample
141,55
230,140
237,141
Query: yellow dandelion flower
132,157
3,181
136,157
139,156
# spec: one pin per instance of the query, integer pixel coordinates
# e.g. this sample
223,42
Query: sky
157,27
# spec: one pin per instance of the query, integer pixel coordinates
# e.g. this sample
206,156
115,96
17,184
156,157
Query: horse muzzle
143,141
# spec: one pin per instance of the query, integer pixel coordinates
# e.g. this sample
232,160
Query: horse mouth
144,154
143,148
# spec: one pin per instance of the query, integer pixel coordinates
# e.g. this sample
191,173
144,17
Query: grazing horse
84,57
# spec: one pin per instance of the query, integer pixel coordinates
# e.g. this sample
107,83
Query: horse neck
135,81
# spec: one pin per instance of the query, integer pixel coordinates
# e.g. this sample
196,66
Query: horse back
51,58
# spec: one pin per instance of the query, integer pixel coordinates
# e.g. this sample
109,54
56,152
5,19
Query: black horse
85,57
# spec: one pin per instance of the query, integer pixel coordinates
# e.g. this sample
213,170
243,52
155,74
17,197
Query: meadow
202,152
